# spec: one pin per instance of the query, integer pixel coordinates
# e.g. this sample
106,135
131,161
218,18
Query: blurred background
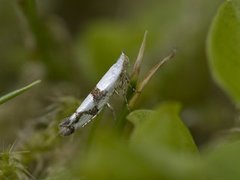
70,44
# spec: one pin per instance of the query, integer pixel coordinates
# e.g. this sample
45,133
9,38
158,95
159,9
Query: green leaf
161,129
138,116
223,161
165,143
110,158
223,48
15,93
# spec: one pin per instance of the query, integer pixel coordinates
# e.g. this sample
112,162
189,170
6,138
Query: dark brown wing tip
66,130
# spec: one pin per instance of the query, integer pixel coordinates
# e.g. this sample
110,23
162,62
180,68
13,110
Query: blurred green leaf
160,148
93,45
161,129
223,161
111,158
165,143
15,93
223,48
50,41
138,116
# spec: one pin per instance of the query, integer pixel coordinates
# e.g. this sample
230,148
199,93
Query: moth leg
124,96
125,99
127,79
112,110
116,92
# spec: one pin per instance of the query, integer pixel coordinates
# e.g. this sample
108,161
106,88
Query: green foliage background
185,124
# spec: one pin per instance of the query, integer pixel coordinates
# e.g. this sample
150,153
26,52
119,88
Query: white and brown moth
114,78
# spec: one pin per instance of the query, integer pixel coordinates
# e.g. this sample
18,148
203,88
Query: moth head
125,59
65,128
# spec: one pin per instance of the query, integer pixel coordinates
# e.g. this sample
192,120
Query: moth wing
110,79
88,103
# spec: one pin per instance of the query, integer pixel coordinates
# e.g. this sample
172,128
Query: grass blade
17,92
147,78
138,62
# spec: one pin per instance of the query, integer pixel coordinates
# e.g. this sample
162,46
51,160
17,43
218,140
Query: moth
116,77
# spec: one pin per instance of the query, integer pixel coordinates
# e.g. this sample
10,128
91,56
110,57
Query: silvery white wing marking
110,80
98,98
